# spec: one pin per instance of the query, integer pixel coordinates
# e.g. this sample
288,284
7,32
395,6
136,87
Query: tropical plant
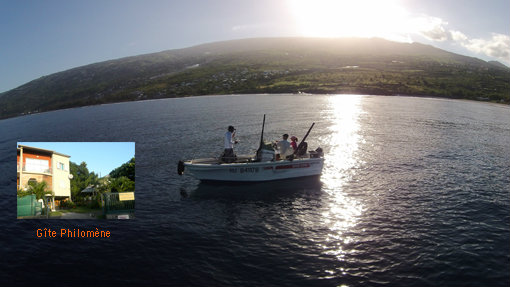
104,185
122,184
22,193
39,189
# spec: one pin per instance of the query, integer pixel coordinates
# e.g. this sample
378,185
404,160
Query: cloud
432,28
435,29
458,36
498,46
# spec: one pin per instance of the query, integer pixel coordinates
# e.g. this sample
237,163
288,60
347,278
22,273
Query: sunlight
345,138
340,166
351,18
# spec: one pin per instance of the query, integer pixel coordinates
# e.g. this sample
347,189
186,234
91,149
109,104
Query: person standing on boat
229,155
293,142
283,147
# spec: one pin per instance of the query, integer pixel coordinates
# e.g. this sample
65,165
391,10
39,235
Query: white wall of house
61,182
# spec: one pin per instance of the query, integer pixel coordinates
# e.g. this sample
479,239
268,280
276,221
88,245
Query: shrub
67,204
94,204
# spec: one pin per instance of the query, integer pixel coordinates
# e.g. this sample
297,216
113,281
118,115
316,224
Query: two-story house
36,164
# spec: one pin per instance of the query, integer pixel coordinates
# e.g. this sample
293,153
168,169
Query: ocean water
414,192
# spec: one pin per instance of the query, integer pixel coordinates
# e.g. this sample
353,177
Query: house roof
89,189
41,150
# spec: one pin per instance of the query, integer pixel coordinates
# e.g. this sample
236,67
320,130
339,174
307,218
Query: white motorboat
211,169
264,166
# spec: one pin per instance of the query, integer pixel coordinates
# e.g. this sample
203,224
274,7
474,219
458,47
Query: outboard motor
317,153
180,167
320,152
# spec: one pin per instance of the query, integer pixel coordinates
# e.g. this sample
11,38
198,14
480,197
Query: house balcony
36,169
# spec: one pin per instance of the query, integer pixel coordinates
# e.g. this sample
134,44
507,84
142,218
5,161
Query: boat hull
255,171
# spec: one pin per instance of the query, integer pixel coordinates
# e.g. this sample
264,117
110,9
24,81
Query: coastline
247,94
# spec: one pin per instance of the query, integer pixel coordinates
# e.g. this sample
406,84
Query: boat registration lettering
301,165
244,170
248,169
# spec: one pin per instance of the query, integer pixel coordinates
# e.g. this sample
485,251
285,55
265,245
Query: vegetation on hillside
277,65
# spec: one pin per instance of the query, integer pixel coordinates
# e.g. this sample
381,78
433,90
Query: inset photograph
75,180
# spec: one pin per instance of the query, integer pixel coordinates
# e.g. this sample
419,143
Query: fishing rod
303,140
261,139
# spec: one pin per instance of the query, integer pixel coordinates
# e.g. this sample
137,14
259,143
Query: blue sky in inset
101,157
38,38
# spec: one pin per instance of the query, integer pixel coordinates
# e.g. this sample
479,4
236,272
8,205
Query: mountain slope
268,65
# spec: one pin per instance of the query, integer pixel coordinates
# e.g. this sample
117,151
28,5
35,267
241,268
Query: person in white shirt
283,147
229,155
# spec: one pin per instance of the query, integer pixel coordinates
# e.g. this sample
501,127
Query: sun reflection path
340,164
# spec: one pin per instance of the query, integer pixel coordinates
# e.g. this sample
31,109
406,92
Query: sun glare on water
342,161
351,18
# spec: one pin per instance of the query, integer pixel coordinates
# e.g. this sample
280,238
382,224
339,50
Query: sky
38,38
101,157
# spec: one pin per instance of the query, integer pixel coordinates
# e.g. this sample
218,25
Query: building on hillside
36,165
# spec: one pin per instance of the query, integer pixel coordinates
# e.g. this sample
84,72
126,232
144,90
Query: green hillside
270,65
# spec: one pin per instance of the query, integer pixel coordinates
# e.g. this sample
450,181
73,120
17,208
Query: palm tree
39,189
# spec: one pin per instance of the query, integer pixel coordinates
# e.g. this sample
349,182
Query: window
32,180
37,165
61,166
